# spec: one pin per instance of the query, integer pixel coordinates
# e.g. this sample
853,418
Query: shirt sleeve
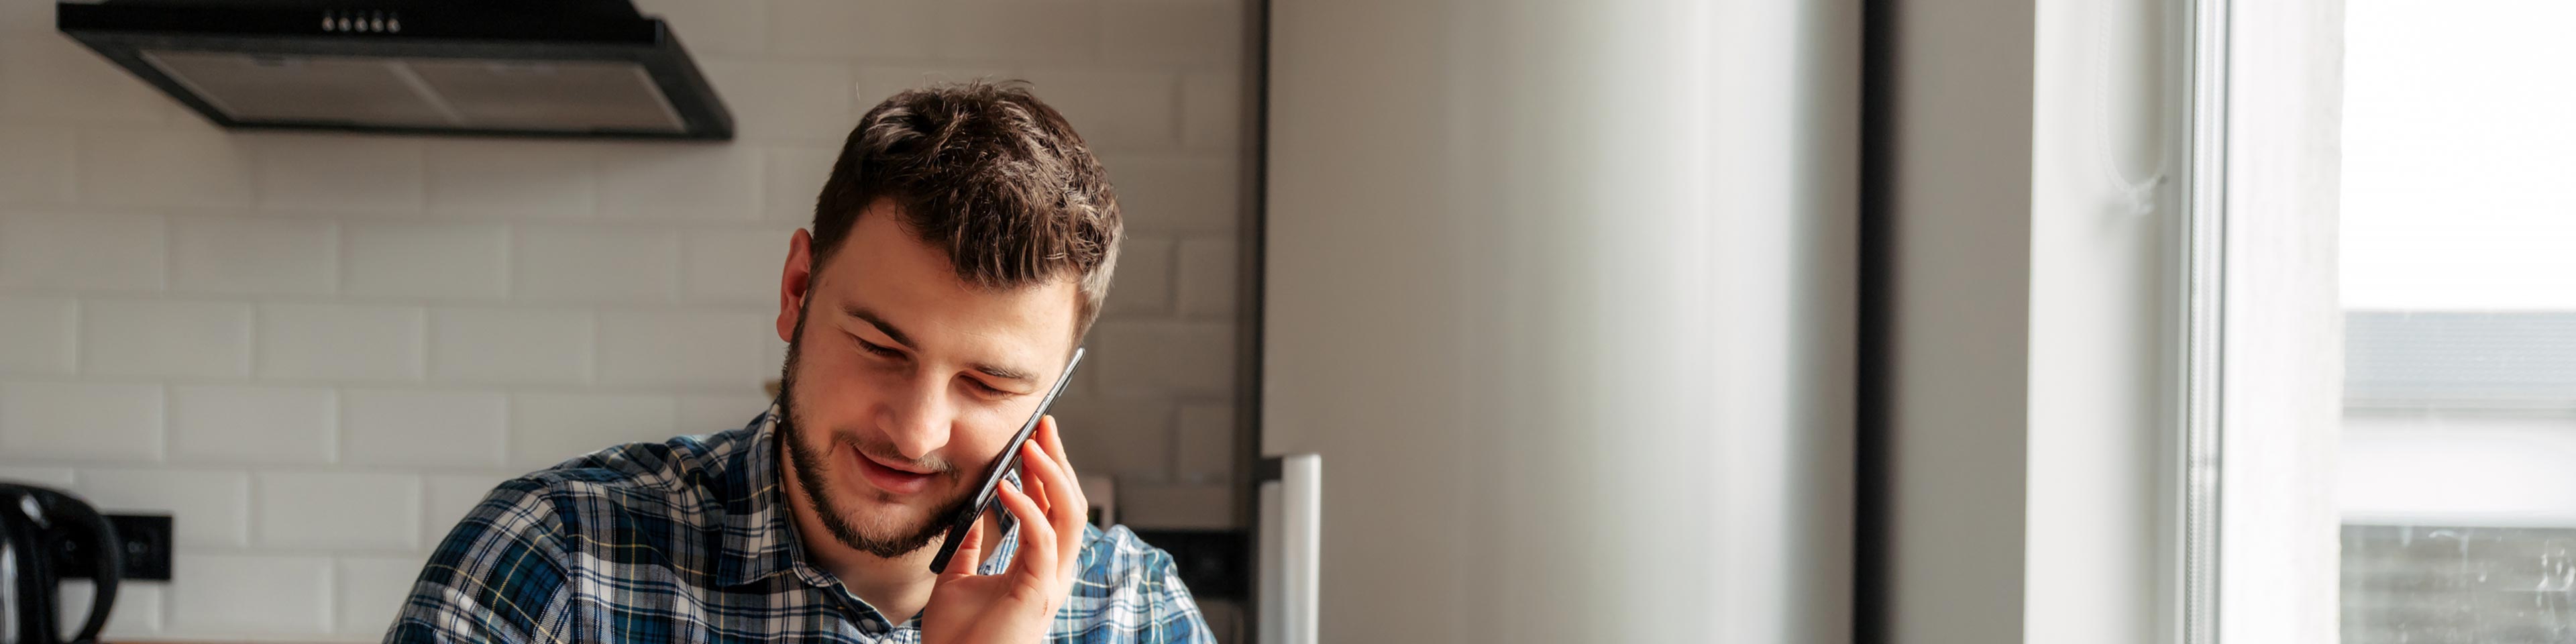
499,576
1171,615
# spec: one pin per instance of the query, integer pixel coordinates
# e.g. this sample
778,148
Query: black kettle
41,532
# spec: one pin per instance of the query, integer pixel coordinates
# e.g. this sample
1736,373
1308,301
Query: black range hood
576,68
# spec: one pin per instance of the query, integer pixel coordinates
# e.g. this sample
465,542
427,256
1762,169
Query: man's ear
795,283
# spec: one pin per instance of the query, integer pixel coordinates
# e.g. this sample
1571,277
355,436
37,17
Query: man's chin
894,526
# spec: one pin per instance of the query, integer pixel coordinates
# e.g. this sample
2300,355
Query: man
959,252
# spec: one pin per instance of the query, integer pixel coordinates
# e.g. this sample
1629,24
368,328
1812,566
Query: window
2381,388
2457,465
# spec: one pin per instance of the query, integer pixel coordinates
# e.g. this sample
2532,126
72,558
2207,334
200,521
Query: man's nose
918,422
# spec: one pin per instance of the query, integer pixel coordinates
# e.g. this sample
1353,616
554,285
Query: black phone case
1007,463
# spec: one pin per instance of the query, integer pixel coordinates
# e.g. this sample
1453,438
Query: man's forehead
1008,365
884,271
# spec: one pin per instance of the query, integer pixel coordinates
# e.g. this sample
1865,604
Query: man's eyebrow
871,317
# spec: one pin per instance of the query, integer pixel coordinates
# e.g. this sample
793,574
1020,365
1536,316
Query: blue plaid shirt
688,541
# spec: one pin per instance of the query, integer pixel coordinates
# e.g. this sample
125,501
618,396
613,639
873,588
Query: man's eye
878,349
986,389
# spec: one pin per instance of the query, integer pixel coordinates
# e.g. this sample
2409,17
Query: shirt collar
758,541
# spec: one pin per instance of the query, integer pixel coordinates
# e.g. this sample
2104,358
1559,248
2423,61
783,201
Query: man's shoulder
1128,590
1117,556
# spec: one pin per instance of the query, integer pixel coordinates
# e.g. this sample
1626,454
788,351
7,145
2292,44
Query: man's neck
896,586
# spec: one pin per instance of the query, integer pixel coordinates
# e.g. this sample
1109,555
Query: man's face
903,381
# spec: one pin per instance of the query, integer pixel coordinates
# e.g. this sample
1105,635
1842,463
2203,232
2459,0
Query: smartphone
1003,465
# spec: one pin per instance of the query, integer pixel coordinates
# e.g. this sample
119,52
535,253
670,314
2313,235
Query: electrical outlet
146,540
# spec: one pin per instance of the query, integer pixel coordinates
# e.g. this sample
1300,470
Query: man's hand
1015,607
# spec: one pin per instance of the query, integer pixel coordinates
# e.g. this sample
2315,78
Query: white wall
2030,413
318,350
1563,293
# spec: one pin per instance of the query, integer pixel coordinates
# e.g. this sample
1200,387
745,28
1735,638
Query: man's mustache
885,451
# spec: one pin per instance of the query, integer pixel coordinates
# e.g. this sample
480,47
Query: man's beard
818,494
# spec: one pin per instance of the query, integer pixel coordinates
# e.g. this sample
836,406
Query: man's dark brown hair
988,174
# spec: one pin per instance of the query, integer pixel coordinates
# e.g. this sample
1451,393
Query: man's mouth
893,479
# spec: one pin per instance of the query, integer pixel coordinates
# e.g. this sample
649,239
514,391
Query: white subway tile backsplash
339,510
341,342
136,613
1115,109
729,27
1177,194
798,103
54,477
734,265
89,252
1208,268
1205,445
431,260
1129,438
232,594
1049,32
207,508
45,76
1165,358
510,177
338,172
773,353
26,16
372,591
791,179
510,345
1212,110
37,335
1177,506
80,421
678,181
35,165
424,428
596,263
451,496
547,428
843,29
178,168
236,424
878,83
1183,33
711,413
1142,283
681,347
165,338
254,256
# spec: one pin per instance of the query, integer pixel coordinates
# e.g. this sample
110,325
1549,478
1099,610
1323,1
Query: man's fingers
1066,512
1063,495
1054,443
1050,438
969,554
1031,484
1036,557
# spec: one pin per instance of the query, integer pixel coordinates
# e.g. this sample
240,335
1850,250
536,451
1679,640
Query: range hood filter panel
570,96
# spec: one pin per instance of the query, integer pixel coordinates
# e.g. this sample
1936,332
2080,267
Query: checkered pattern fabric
688,541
